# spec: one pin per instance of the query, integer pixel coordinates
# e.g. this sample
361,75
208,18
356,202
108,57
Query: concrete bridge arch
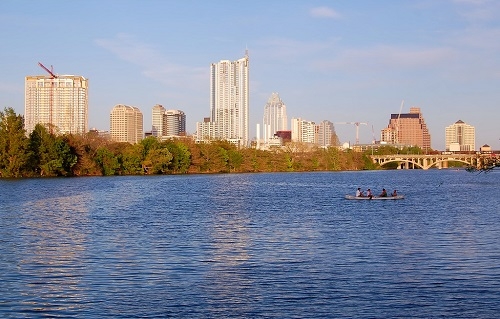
427,161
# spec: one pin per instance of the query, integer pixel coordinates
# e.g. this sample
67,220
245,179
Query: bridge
409,161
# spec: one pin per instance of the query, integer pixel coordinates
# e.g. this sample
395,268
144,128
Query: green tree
131,159
234,159
85,148
181,157
14,153
51,155
107,162
158,159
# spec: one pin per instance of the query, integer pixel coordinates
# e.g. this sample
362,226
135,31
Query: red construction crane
357,128
51,93
51,71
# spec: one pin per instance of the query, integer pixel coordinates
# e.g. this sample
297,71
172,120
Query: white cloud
478,10
385,57
324,12
291,49
152,62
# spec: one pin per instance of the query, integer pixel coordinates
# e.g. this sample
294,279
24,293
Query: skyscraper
407,129
229,102
175,123
460,137
126,124
275,118
326,134
158,119
60,102
168,122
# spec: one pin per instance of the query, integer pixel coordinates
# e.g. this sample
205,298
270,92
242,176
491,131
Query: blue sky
343,61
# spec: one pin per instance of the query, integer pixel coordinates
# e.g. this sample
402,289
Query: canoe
375,197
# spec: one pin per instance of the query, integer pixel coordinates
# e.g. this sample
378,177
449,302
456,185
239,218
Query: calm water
251,246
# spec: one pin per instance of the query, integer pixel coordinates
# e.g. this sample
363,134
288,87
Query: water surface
284,245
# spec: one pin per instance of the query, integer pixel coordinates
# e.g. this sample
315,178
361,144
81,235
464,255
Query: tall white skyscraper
275,118
60,102
460,137
229,102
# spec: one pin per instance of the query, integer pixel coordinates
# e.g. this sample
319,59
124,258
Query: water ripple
250,245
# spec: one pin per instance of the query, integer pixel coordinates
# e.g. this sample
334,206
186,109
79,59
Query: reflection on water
250,245
48,250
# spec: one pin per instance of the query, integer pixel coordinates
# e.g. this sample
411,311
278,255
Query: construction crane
357,128
51,71
396,138
51,93
374,141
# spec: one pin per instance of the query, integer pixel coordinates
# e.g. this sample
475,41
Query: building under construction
59,102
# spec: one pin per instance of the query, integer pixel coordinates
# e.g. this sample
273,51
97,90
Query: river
277,245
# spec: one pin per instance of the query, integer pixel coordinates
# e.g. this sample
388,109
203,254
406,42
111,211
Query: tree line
42,153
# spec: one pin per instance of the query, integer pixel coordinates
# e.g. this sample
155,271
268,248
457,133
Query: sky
342,61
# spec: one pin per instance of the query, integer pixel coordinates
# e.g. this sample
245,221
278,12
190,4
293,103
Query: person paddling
369,193
359,192
395,193
384,193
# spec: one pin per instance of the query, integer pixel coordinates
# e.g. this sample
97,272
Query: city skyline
345,61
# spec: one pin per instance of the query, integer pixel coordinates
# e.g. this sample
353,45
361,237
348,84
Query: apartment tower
229,102
460,137
126,123
275,118
59,102
407,129
303,131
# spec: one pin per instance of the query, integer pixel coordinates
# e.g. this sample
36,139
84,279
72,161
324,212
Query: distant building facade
126,123
158,120
229,103
275,118
167,122
407,129
460,137
58,102
303,131
175,123
326,134
286,136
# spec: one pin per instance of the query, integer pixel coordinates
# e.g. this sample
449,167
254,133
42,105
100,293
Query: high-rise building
275,118
460,137
326,134
168,122
303,131
59,102
229,102
126,124
158,119
175,123
407,129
